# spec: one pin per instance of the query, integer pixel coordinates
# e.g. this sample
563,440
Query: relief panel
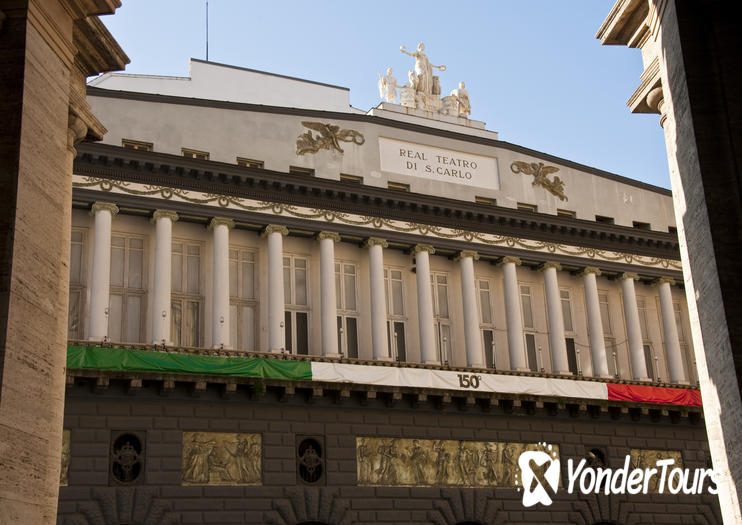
221,458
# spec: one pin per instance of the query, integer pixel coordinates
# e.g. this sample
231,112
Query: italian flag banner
118,359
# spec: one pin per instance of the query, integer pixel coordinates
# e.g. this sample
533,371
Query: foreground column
555,318
594,322
220,292
425,304
276,306
474,352
379,336
101,273
633,328
327,242
672,344
513,314
162,285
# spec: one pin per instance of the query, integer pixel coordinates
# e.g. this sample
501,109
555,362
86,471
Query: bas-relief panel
432,462
648,458
220,458
63,472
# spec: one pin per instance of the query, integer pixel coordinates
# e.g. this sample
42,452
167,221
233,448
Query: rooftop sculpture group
423,90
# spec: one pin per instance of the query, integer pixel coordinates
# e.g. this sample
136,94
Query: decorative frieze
540,175
221,458
329,137
648,458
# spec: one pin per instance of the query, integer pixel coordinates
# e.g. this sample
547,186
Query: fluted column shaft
513,314
633,328
594,322
555,318
162,276
100,285
220,331
328,297
276,307
425,304
379,336
672,343
473,339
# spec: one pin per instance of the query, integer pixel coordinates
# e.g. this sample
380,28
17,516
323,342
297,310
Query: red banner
654,394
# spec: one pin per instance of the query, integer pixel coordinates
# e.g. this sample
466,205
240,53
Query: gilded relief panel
433,462
648,458
221,458
63,479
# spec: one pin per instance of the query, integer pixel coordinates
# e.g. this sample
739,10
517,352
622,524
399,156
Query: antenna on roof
207,31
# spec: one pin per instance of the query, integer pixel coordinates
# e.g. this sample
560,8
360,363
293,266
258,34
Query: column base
433,362
522,370
565,373
333,356
684,382
384,358
643,379
160,343
607,376
222,347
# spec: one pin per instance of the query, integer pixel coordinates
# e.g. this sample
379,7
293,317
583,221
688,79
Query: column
220,331
672,344
594,322
100,284
379,336
473,338
276,305
327,242
555,318
425,303
162,285
513,314
633,328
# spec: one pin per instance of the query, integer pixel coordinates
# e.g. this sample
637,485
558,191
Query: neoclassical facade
358,280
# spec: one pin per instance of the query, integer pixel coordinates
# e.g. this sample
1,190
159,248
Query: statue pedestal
432,119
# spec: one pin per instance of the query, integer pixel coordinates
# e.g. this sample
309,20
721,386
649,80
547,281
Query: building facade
287,310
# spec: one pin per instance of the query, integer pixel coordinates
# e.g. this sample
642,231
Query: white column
220,331
513,314
472,335
162,285
379,336
327,242
276,304
555,318
594,322
425,303
100,285
633,328
672,343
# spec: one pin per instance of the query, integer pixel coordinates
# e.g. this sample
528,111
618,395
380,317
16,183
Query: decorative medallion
430,462
329,138
540,174
127,458
648,458
219,458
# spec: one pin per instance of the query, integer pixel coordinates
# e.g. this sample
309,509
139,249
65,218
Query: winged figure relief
328,137
540,175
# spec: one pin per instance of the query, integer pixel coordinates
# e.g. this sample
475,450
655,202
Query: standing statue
423,69
461,96
388,87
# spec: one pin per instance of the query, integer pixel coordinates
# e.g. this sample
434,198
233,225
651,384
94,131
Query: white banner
452,380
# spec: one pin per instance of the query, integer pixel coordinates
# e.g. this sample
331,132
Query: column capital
423,248
550,264
663,280
375,241
100,206
466,253
589,269
510,259
629,275
333,236
165,214
217,221
275,228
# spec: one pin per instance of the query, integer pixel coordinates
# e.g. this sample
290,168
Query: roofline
269,73
358,117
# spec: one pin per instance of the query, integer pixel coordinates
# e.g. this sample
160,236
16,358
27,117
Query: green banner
151,361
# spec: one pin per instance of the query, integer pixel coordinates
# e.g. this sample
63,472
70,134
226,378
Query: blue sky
534,69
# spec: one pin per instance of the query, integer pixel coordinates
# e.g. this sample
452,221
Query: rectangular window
533,363
649,360
296,294
610,354
395,314
485,303
194,153
127,293
641,225
186,299
77,290
605,315
353,179
523,206
566,310
485,200
397,344
243,298
136,144
298,170
398,186
525,300
486,320
345,291
678,321
441,319
603,219
249,163
488,342
566,213
574,366
642,307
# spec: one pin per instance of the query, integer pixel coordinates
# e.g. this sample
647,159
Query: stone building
284,309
